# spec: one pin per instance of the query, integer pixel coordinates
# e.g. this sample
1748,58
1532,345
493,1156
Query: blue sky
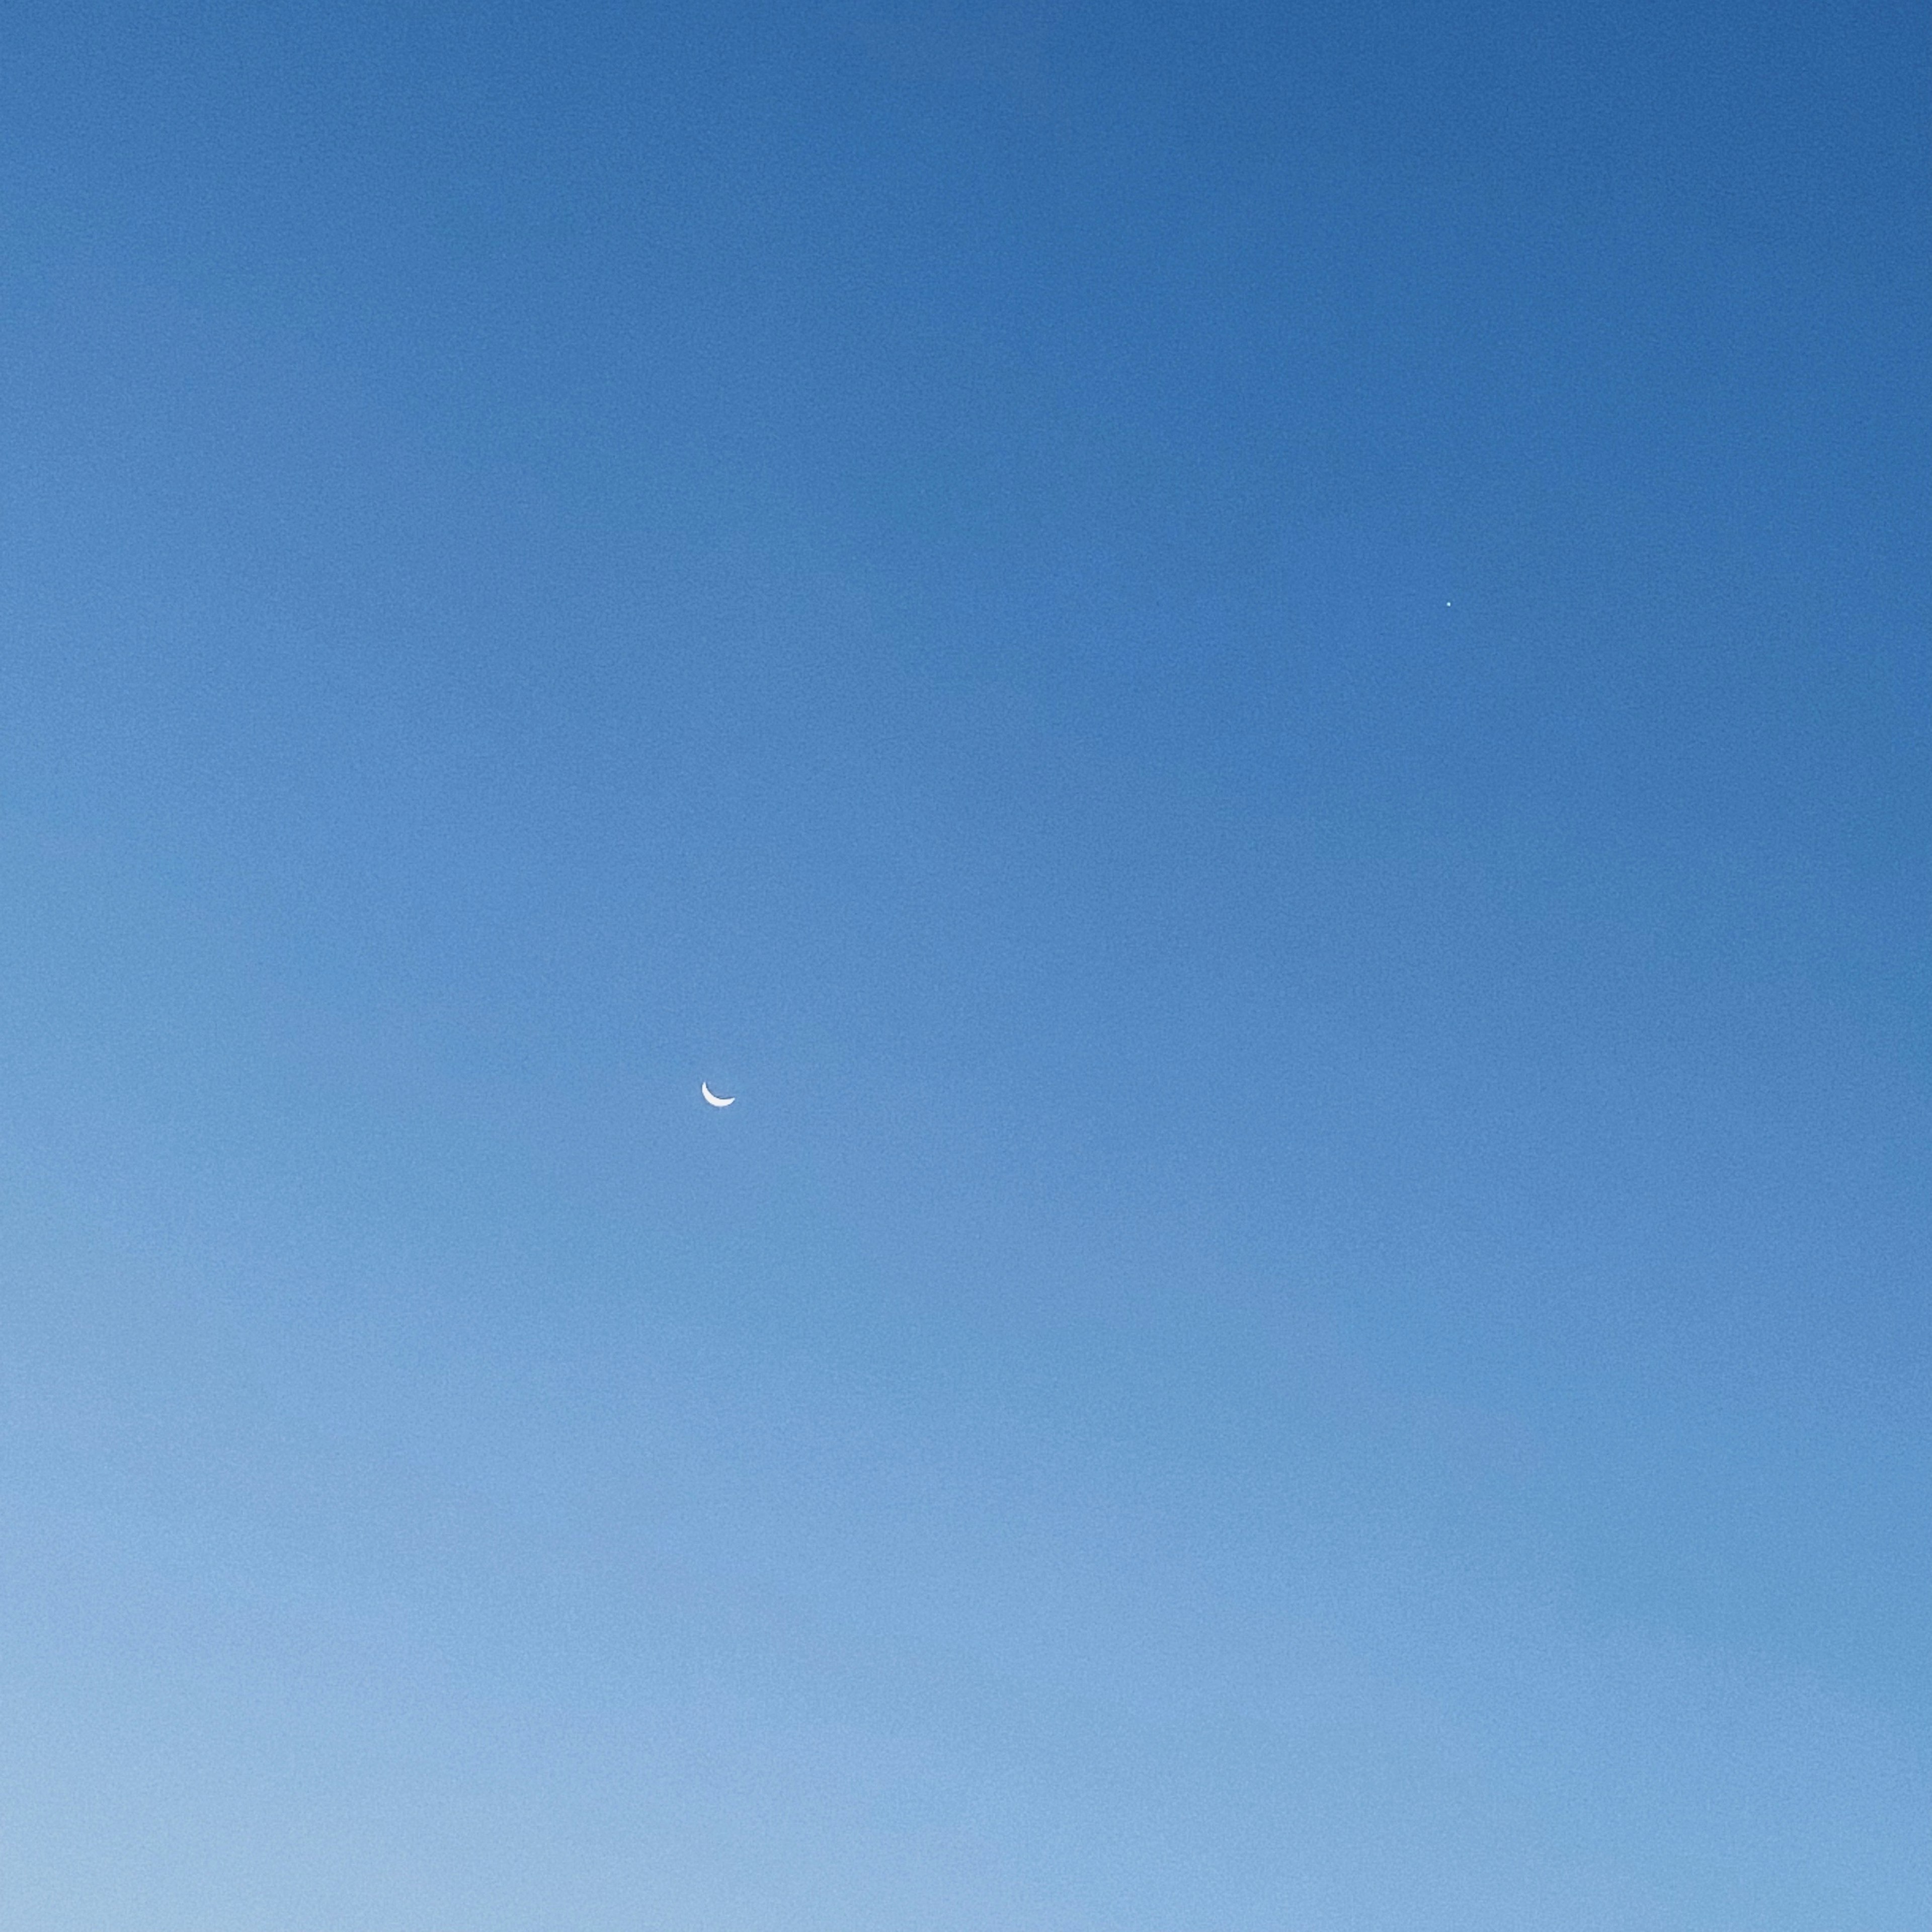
1259,677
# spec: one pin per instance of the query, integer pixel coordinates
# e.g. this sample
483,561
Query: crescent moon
727,1101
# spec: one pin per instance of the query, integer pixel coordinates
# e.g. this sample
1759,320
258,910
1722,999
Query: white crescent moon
713,1098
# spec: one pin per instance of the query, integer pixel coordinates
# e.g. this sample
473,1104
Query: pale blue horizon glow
1256,678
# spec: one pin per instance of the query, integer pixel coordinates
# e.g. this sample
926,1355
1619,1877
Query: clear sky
1258,676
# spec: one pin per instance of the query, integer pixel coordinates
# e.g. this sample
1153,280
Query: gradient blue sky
1258,675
